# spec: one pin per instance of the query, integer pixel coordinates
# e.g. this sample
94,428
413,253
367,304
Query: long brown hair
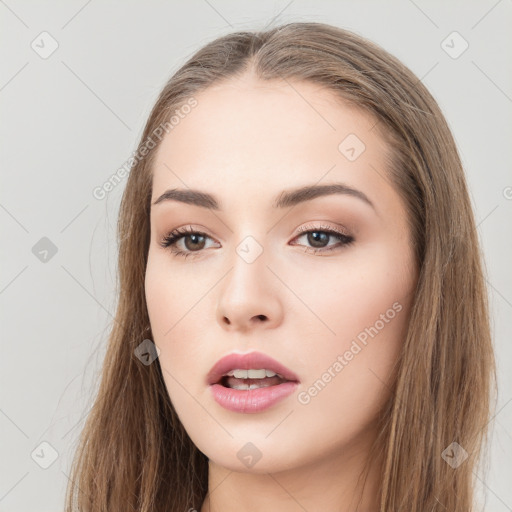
134,453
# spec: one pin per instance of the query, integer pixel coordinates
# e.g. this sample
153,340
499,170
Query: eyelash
174,236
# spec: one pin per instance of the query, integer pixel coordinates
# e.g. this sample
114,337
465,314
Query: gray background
70,120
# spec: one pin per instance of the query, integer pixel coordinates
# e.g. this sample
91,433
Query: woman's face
249,279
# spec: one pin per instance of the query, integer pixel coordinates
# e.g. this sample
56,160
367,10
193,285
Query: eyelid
189,228
324,227
182,231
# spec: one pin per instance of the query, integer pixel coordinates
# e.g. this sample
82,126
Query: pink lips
255,360
251,400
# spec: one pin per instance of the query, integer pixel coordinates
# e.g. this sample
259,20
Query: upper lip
254,360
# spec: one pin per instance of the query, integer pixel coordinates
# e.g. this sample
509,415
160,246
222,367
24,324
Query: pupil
318,238
195,238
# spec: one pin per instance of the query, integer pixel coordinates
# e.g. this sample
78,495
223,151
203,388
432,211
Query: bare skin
244,143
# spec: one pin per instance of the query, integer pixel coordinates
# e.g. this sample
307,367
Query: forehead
252,135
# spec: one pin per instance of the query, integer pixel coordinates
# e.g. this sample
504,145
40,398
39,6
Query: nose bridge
249,273
248,295
250,249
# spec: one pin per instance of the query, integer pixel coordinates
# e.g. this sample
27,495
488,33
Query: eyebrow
286,199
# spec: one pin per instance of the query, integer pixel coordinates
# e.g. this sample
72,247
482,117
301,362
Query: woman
302,320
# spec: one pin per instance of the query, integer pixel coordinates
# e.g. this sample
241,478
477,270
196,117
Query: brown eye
194,242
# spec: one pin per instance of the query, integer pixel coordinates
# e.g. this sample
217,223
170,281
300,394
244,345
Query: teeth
256,374
245,387
251,374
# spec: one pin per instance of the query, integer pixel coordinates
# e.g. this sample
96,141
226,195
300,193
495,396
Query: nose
249,298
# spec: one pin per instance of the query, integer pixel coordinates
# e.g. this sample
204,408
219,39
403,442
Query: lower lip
251,400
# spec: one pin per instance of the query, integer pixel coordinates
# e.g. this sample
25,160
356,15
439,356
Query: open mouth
251,379
251,382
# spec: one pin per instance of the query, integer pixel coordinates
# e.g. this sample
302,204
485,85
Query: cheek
171,295
345,296
351,377
174,301
165,304
364,308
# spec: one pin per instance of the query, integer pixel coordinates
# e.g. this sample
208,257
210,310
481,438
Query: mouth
249,371
251,379
250,383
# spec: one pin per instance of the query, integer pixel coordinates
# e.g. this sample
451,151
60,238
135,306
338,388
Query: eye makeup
314,234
